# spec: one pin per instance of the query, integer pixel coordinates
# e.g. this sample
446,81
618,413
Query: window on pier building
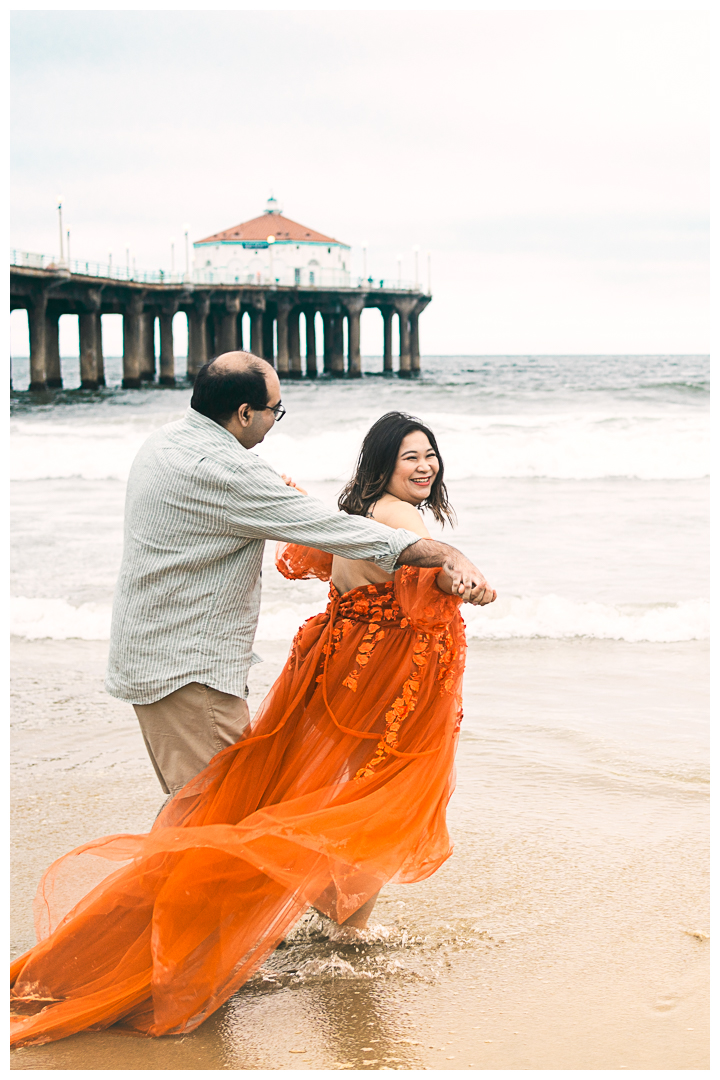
297,276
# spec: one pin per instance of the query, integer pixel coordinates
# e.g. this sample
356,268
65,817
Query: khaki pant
184,730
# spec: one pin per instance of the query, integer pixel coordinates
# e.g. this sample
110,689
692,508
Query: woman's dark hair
376,464
219,392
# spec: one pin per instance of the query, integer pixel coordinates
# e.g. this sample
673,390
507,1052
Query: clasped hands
467,581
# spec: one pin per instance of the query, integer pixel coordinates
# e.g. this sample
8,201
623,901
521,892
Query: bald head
241,363
238,361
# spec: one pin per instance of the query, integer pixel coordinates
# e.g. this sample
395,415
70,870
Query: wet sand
568,930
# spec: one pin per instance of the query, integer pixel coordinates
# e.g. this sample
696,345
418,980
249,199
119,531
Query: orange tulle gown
339,785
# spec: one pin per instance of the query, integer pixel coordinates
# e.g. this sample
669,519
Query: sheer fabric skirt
339,785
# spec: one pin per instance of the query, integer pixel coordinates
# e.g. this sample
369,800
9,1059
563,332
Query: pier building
272,249
237,296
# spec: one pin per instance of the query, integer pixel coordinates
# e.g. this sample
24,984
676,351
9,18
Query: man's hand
467,581
291,483
465,578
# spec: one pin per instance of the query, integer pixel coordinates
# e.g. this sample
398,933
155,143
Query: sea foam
570,446
550,616
44,617
558,617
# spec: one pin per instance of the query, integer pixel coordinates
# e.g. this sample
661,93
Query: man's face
255,423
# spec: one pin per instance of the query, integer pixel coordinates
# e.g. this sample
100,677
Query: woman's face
415,469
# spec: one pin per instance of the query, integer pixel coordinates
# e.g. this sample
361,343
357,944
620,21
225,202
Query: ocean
576,893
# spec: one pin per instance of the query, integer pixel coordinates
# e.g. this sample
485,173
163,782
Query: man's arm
258,503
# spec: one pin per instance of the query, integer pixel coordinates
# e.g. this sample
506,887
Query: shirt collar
212,432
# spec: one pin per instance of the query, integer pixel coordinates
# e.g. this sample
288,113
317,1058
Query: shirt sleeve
259,505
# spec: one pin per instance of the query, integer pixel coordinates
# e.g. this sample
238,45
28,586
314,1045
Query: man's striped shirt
198,510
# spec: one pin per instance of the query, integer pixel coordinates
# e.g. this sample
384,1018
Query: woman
338,786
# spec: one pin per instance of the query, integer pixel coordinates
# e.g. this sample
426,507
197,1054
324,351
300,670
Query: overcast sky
555,164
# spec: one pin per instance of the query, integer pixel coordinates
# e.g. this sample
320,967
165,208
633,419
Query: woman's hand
291,483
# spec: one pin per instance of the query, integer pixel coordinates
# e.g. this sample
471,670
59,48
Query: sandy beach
567,931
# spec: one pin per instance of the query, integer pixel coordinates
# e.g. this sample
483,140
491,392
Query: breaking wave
548,616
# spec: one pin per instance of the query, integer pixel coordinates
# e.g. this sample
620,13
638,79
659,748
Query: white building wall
288,262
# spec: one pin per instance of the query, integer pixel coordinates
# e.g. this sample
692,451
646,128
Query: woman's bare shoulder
399,515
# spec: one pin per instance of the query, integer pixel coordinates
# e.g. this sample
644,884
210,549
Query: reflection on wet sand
342,1024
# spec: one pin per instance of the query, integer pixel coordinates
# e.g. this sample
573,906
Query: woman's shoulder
391,511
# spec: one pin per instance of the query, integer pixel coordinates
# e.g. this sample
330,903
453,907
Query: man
199,508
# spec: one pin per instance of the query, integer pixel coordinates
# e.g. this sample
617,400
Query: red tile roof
276,225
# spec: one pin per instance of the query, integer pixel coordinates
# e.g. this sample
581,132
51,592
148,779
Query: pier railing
321,277
112,271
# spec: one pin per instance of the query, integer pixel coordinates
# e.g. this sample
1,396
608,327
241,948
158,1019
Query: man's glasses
278,410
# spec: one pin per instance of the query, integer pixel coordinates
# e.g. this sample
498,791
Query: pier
280,317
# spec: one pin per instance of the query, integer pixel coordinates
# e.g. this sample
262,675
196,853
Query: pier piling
37,326
147,346
99,358
404,308
295,367
283,354
87,330
256,330
387,314
337,365
268,337
197,335
227,338
310,345
167,349
131,344
53,371
353,306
